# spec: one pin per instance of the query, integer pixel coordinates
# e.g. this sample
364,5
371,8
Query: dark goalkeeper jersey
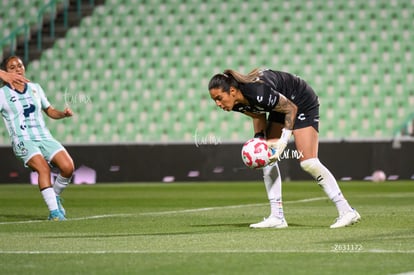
263,96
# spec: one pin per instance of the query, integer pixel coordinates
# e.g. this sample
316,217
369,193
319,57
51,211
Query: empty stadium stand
137,71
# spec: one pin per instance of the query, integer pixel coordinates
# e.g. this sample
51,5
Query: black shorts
304,118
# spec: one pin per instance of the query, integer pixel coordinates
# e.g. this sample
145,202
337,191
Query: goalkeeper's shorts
304,118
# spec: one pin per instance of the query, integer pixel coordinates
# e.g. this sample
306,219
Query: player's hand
67,112
276,149
13,78
279,146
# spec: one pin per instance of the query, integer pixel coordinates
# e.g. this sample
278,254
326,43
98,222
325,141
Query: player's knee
67,169
271,170
267,170
310,165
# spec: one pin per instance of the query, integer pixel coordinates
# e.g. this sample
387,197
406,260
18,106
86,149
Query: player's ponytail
253,76
230,78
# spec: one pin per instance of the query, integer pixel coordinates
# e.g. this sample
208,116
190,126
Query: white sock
273,184
49,197
328,182
60,184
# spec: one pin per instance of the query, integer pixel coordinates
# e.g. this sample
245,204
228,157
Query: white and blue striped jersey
22,112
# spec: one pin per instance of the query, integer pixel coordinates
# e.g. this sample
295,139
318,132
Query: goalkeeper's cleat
56,215
346,219
270,222
59,201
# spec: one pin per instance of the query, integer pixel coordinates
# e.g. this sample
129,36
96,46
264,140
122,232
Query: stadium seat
146,67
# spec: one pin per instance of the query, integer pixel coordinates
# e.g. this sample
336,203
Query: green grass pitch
202,228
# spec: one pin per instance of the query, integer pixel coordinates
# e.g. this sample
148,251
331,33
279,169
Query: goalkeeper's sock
49,197
341,204
328,182
60,184
273,184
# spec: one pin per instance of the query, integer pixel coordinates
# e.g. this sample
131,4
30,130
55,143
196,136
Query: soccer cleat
271,222
59,201
347,219
56,215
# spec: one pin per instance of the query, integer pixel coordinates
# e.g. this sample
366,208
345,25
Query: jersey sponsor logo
20,98
272,100
33,124
251,109
257,109
259,98
28,109
301,116
273,97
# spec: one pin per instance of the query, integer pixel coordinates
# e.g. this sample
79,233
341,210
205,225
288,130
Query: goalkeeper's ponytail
253,76
230,78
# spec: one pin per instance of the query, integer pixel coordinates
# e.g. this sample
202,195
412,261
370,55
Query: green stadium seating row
14,14
137,71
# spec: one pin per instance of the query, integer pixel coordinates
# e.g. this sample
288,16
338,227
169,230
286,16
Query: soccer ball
255,153
378,176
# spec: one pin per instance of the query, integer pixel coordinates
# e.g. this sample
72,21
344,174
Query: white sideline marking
101,217
72,219
369,251
167,212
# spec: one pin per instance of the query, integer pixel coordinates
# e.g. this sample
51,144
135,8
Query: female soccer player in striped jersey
292,108
32,142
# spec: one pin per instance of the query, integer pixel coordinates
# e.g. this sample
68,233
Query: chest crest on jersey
35,94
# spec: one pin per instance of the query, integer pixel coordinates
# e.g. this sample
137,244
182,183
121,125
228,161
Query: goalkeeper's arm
290,110
259,124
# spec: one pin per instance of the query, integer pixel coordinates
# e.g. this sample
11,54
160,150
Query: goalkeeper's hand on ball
279,146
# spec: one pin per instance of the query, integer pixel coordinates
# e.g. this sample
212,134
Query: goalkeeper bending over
293,108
